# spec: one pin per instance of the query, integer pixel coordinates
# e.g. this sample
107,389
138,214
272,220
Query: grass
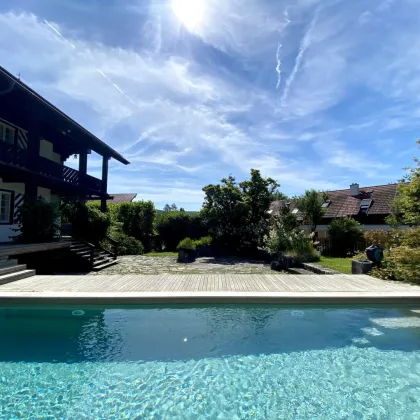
339,264
161,254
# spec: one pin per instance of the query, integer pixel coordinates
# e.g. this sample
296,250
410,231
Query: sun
189,12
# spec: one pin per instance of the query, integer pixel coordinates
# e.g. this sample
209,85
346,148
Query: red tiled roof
121,198
343,204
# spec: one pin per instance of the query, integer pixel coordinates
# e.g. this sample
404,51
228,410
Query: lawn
161,254
339,264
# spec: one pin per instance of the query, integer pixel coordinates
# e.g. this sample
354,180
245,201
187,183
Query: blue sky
314,93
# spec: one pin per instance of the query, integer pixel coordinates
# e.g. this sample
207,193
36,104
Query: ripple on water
349,382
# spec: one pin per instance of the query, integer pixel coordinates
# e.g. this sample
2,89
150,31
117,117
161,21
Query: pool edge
208,297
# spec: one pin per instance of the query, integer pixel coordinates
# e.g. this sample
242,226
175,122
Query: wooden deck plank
188,283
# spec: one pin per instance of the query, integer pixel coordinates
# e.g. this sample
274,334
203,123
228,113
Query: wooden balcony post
82,171
34,142
105,160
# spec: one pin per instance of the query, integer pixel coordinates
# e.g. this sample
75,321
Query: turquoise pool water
219,362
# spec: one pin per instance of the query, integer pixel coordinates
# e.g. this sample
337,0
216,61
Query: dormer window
365,205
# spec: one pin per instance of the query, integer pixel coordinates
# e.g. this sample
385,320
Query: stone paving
137,264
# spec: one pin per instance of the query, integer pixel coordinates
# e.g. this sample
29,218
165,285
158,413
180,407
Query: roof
343,204
120,198
94,142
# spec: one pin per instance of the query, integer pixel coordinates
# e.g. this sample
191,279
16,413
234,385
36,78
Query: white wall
7,230
46,151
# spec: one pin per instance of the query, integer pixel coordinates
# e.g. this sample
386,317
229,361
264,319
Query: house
368,205
36,138
120,198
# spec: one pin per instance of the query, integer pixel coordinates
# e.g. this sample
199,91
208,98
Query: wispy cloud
198,106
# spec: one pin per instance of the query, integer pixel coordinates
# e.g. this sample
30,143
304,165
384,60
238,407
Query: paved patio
137,264
207,288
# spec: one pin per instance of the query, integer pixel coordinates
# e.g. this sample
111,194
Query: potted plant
186,250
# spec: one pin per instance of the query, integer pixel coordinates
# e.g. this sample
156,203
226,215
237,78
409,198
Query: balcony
17,158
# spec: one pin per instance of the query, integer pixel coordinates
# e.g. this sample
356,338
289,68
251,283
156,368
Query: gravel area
137,264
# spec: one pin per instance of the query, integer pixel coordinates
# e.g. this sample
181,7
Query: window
5,207
364,206
295,211
7,133
326,204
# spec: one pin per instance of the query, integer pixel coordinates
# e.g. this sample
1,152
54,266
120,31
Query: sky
314,93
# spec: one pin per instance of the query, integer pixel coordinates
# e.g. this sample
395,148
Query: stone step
108,264
99,261
8,278
12,269
8,263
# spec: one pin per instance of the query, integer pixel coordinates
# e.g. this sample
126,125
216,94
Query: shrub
186,244
137,220
90,224
172,227
127,245
402,262
204,241
37,220
344,233
381,238
301,245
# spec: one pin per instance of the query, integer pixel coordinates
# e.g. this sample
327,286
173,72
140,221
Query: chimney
354,190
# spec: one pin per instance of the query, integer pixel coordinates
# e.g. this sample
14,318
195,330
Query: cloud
198,106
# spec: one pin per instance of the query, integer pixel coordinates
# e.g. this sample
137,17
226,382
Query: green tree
310,205
237,214
344,233
137,220
278,195
406,206
173,227
170,207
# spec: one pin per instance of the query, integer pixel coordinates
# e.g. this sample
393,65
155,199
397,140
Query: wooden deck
207,287
13,249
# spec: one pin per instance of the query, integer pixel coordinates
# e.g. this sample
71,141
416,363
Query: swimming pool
218,362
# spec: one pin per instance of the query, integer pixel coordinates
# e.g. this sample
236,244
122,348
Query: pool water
218,362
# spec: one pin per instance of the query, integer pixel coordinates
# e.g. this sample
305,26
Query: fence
326,248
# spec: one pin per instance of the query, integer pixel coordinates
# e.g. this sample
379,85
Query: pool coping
127,298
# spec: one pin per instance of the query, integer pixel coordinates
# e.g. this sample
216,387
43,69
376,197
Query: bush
344,233
37,220
204,241
172,227
137,220
402,262
127,245
89,223
186,244
381,238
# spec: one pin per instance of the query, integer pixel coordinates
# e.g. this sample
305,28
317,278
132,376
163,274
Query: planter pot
361,267
283,262
186,256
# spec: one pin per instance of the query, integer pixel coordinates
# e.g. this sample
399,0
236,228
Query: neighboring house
120,198
368,205
36,138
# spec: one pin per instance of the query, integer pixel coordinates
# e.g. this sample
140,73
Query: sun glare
189,12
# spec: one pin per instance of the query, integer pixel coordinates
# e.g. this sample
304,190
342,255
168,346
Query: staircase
93,258
11,271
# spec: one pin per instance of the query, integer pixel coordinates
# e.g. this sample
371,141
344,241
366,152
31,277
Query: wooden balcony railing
15,156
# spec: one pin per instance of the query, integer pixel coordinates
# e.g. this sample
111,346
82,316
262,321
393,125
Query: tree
406,206
310,205
278,195
344,233
170,207
237,213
